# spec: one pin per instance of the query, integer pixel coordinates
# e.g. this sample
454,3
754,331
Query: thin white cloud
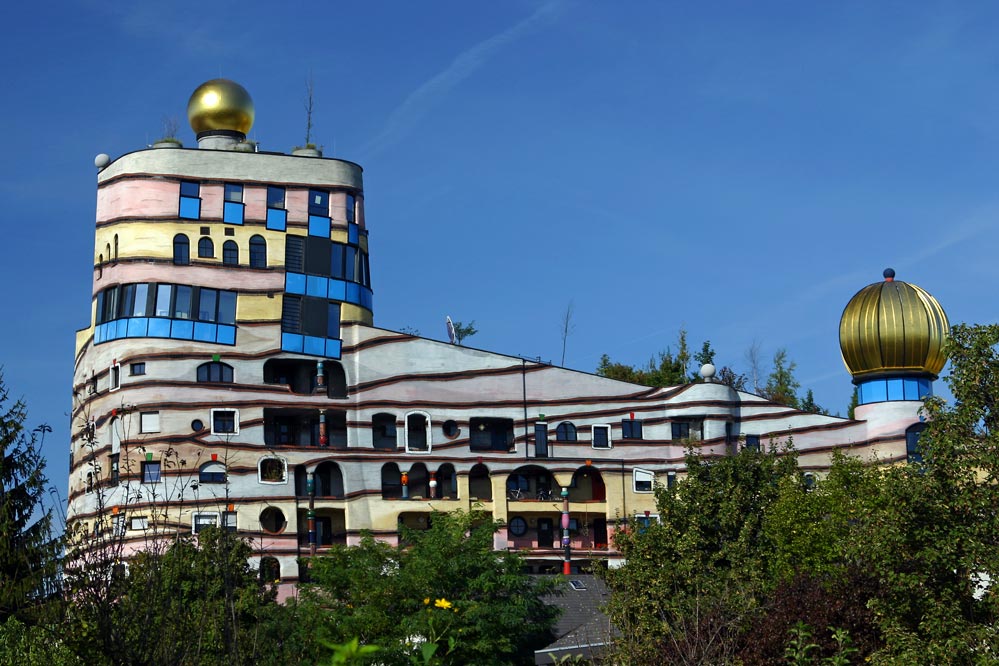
429,94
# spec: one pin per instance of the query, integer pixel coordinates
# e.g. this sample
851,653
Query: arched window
258,252
206,248
230,253
479,485
565,432
215,372
336,380
417,433
116,247
270,570
212,472
108,250
447,482
328,480
181,250
391,481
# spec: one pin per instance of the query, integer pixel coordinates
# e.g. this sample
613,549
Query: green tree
197,602
445,586
808,404
462,331
28,552
691,582
853,404
781,386
665,370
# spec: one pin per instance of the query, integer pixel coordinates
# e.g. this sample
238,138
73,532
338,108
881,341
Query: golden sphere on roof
893,327
220,104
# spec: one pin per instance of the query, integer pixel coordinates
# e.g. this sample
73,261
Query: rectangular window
670,480
150,471
225,422
317,255
141,300
752,442
113,475
541,440
601,437
291,314
227,307
203,520
234,192
149,422
333,321
294,254
139,523
182,302
350,207
275,197
229,521
687,429
645,522
118,526
350,263
319,203
207,303
643,480
114,377
190,201
127,304
631,429
137,369
336,261
164,293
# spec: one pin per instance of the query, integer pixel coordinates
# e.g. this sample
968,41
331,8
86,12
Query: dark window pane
227,307
190,189
294,254
233,192
333,321
314,316
182,302
258,252
291,314
317,255
127,300
100,306
230,253
319,203
206,248
349,261
207,303
141,300
350,207
181,250
336,261
275,197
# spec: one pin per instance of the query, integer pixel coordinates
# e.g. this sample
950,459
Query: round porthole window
450,429
197,425
272,520
518,526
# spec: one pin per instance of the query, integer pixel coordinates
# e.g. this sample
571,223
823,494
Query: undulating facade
231,374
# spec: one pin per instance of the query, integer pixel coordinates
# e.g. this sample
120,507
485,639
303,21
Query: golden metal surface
893,326
220,104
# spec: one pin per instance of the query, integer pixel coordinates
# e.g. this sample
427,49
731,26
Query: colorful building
232,375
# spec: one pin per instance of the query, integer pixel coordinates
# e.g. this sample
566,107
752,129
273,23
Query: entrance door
546,535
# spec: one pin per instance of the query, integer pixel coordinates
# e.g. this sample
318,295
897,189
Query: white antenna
450,331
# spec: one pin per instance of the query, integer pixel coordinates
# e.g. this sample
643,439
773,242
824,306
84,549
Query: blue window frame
190,200
319,203
565,432
631,429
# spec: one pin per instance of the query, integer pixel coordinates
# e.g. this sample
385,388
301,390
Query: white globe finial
102,160
707,372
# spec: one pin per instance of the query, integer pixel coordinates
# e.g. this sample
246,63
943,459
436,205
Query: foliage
691,582
28,552
445,586
462,331
853,404
781,386
197,602
667,370
22,645
808,404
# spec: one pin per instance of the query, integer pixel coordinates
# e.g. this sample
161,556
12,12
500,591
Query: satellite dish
450,331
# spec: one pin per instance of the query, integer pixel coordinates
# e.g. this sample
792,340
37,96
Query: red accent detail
566,569
114,412
631,415
647,513
215,457
891,279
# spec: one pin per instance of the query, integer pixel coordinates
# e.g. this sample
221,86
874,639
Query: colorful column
311,514
566,566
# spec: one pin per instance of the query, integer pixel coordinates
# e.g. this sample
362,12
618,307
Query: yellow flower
443,603
426,601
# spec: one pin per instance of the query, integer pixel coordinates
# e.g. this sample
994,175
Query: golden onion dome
220,104
893,327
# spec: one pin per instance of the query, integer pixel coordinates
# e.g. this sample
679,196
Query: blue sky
737,169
